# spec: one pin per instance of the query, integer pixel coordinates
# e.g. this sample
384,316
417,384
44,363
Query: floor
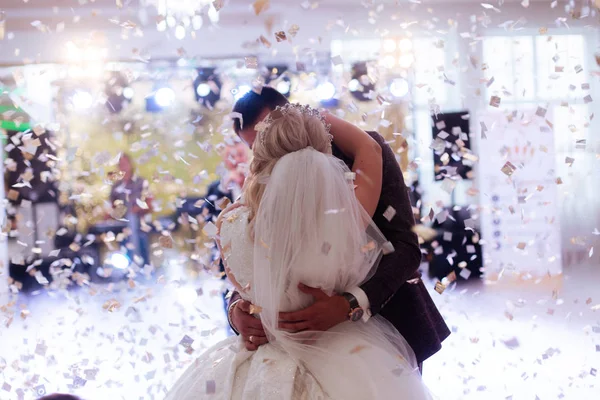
510,341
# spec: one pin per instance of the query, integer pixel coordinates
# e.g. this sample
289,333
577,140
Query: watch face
357,314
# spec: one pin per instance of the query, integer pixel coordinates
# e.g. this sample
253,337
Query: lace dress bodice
238,250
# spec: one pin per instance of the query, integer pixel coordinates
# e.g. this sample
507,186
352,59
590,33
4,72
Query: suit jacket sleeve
401,265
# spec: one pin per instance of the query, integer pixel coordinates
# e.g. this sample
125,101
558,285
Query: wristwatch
356,311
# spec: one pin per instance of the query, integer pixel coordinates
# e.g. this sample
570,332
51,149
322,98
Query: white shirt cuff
363,302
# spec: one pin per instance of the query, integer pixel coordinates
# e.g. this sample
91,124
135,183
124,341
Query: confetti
440,287
260,6
389,213
280,36
495,101
508,169
251,62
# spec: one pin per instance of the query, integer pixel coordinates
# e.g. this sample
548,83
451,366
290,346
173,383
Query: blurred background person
130,200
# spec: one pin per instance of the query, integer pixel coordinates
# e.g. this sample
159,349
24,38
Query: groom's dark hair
252,104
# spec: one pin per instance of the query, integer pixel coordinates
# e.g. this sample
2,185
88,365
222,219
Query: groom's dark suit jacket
407,306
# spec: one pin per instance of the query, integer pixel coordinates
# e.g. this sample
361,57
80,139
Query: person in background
232,175
231,179
129,196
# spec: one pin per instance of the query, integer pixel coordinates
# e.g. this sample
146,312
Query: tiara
280,111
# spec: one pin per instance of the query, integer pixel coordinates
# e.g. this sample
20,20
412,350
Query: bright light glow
82,100
197,22
128,93
241,91
405,45
213,14
325,91
161,26
389,61
171,21
389,45
118,260
182,62
406,60
164,97
186,295
283,86
203,89
353,85
399,87
179,32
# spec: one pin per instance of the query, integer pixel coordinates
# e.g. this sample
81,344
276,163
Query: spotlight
325,91
284,86
241,91
406,60
82,100
208,87
361,86
399,87
405,45
389,45
180,32
118,260
128,93
163,97
277,77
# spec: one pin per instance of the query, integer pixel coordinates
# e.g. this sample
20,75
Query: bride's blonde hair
292,131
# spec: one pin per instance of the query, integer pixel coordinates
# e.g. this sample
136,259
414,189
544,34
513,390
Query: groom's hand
325,313
249,327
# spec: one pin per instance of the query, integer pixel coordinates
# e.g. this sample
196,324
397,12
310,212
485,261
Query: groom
395,291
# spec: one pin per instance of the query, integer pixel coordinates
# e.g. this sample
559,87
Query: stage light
399,87
203,89
128,93
179,32
164,97
240,91
284,86
161,26
213,14
405,45
118,260
82,100
406,60
325,91
389,61
208,87
389,45
197,22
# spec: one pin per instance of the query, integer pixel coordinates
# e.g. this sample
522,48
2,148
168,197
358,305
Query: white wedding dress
354,360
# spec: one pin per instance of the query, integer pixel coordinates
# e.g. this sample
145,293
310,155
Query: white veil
310,228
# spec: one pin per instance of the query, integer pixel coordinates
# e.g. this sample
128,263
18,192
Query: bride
300,221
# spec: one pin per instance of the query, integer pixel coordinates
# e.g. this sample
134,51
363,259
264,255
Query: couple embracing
328,303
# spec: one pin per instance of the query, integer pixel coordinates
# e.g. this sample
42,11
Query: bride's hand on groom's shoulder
325,313
249,327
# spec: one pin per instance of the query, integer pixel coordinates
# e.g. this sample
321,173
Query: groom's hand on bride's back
325,313
249,327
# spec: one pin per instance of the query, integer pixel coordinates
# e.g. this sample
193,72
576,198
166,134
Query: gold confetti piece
558,181
111,305
251,62
358,349
218,4
280,36
495,101
265,42
521,245
260,6
508,169
368,247
440,287
255,309
451,277
165,242
543,30
293,31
